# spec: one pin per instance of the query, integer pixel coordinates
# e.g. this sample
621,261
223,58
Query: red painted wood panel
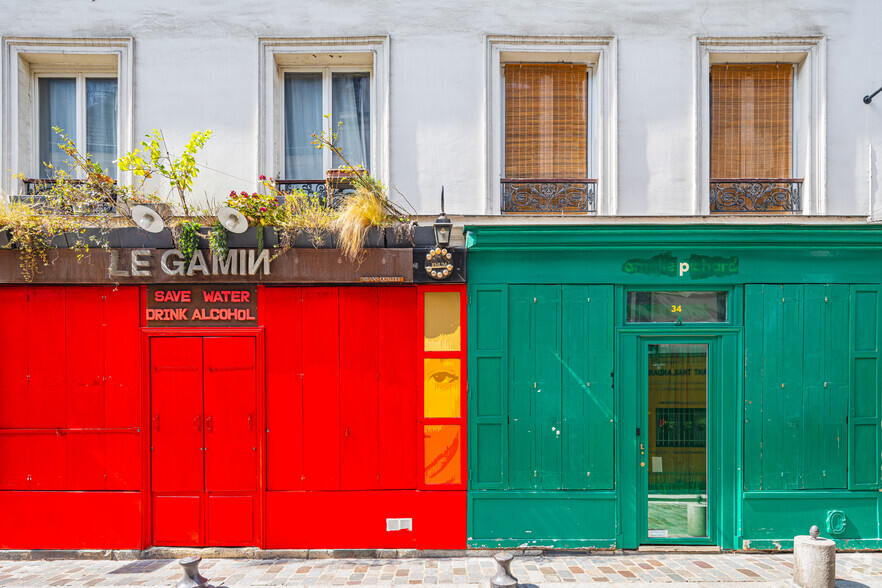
230,520
123,461
398,388
357,520
13,359
321,385
86,463
70,520
359,468
15,460
230,413
84,358
177,519
284,389
47,461
122,358
176,414
46,358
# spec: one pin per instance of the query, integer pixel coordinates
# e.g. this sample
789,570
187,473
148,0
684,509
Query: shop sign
143,263
696,267
201,306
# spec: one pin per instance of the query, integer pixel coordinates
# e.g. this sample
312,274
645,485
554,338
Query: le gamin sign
201,306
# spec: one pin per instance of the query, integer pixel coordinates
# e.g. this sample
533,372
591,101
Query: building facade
670,327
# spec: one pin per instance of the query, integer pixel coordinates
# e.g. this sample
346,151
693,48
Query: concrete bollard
503,577
696,519
192,578
814,561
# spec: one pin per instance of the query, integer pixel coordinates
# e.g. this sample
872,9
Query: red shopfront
317,416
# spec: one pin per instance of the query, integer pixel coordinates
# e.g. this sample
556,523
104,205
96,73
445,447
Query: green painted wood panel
588,426
864,427
487,387
796,366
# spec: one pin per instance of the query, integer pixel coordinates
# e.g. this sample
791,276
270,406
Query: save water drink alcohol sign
201,306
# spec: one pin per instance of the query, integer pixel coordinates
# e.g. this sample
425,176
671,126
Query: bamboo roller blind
751,121
546,120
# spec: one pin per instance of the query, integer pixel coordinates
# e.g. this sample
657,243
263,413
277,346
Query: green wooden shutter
756,322
587,394
864,427
488,326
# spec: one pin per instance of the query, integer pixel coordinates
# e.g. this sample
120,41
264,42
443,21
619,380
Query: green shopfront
674,384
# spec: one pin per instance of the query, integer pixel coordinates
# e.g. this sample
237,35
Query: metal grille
754,195
555,196
317,188
680,427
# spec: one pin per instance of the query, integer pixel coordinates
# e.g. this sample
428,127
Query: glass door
674,448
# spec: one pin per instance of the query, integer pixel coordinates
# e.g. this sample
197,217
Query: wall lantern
442,226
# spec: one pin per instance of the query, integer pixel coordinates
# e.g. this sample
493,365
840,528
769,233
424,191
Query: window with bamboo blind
751,121
546,121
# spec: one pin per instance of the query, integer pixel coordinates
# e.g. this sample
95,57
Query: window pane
58,108
441,388
546,121
101,117
351,105
441,452
673,307
303,118
441,326
751,121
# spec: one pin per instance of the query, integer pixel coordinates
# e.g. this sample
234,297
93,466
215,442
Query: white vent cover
399,524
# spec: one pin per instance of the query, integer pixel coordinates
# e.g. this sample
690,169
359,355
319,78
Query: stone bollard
696,519
503,577
814,561
192,578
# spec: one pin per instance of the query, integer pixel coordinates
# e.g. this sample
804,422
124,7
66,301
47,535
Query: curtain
101,115
58,108
351,105
303,118
751,121
546,120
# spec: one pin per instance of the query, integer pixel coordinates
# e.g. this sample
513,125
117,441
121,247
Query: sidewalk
853,570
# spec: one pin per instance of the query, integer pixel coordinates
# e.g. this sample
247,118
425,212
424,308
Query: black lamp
442,226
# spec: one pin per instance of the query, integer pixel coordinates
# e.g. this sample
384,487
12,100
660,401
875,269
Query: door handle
197,422
156,422
209,423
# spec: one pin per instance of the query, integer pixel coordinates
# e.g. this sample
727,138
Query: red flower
243,193
232,193
263,209
262,177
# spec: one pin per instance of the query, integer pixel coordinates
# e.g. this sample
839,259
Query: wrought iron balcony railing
548,196
755,195
318,188
36,190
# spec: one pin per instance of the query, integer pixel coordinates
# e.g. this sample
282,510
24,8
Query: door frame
147,334
724,447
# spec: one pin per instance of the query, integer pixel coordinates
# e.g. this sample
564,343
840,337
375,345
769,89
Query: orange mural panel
442,454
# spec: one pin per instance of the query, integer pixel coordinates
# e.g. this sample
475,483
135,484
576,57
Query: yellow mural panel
441,388
442,454
441,326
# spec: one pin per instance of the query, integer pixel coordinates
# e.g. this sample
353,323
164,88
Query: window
552,113
346,96
762,126
82,86
311,86
83,107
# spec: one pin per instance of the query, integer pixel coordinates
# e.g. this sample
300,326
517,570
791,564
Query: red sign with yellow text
201,306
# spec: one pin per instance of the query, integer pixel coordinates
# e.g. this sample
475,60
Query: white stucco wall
195,66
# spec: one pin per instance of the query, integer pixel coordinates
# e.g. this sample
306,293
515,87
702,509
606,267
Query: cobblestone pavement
853,570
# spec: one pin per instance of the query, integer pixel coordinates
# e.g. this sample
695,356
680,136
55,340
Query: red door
204,440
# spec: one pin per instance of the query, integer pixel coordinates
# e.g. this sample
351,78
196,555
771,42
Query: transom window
85,107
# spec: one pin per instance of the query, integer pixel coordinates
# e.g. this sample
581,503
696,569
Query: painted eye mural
441,388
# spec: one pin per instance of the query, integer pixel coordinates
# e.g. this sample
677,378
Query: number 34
676,308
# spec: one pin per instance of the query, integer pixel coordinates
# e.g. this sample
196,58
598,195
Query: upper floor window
313,86
81,86
83,107
762,126
309,95
546,139
552,125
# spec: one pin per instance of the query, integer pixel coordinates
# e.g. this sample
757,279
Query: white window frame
24,60
808,56
80,96
599,54
329,55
